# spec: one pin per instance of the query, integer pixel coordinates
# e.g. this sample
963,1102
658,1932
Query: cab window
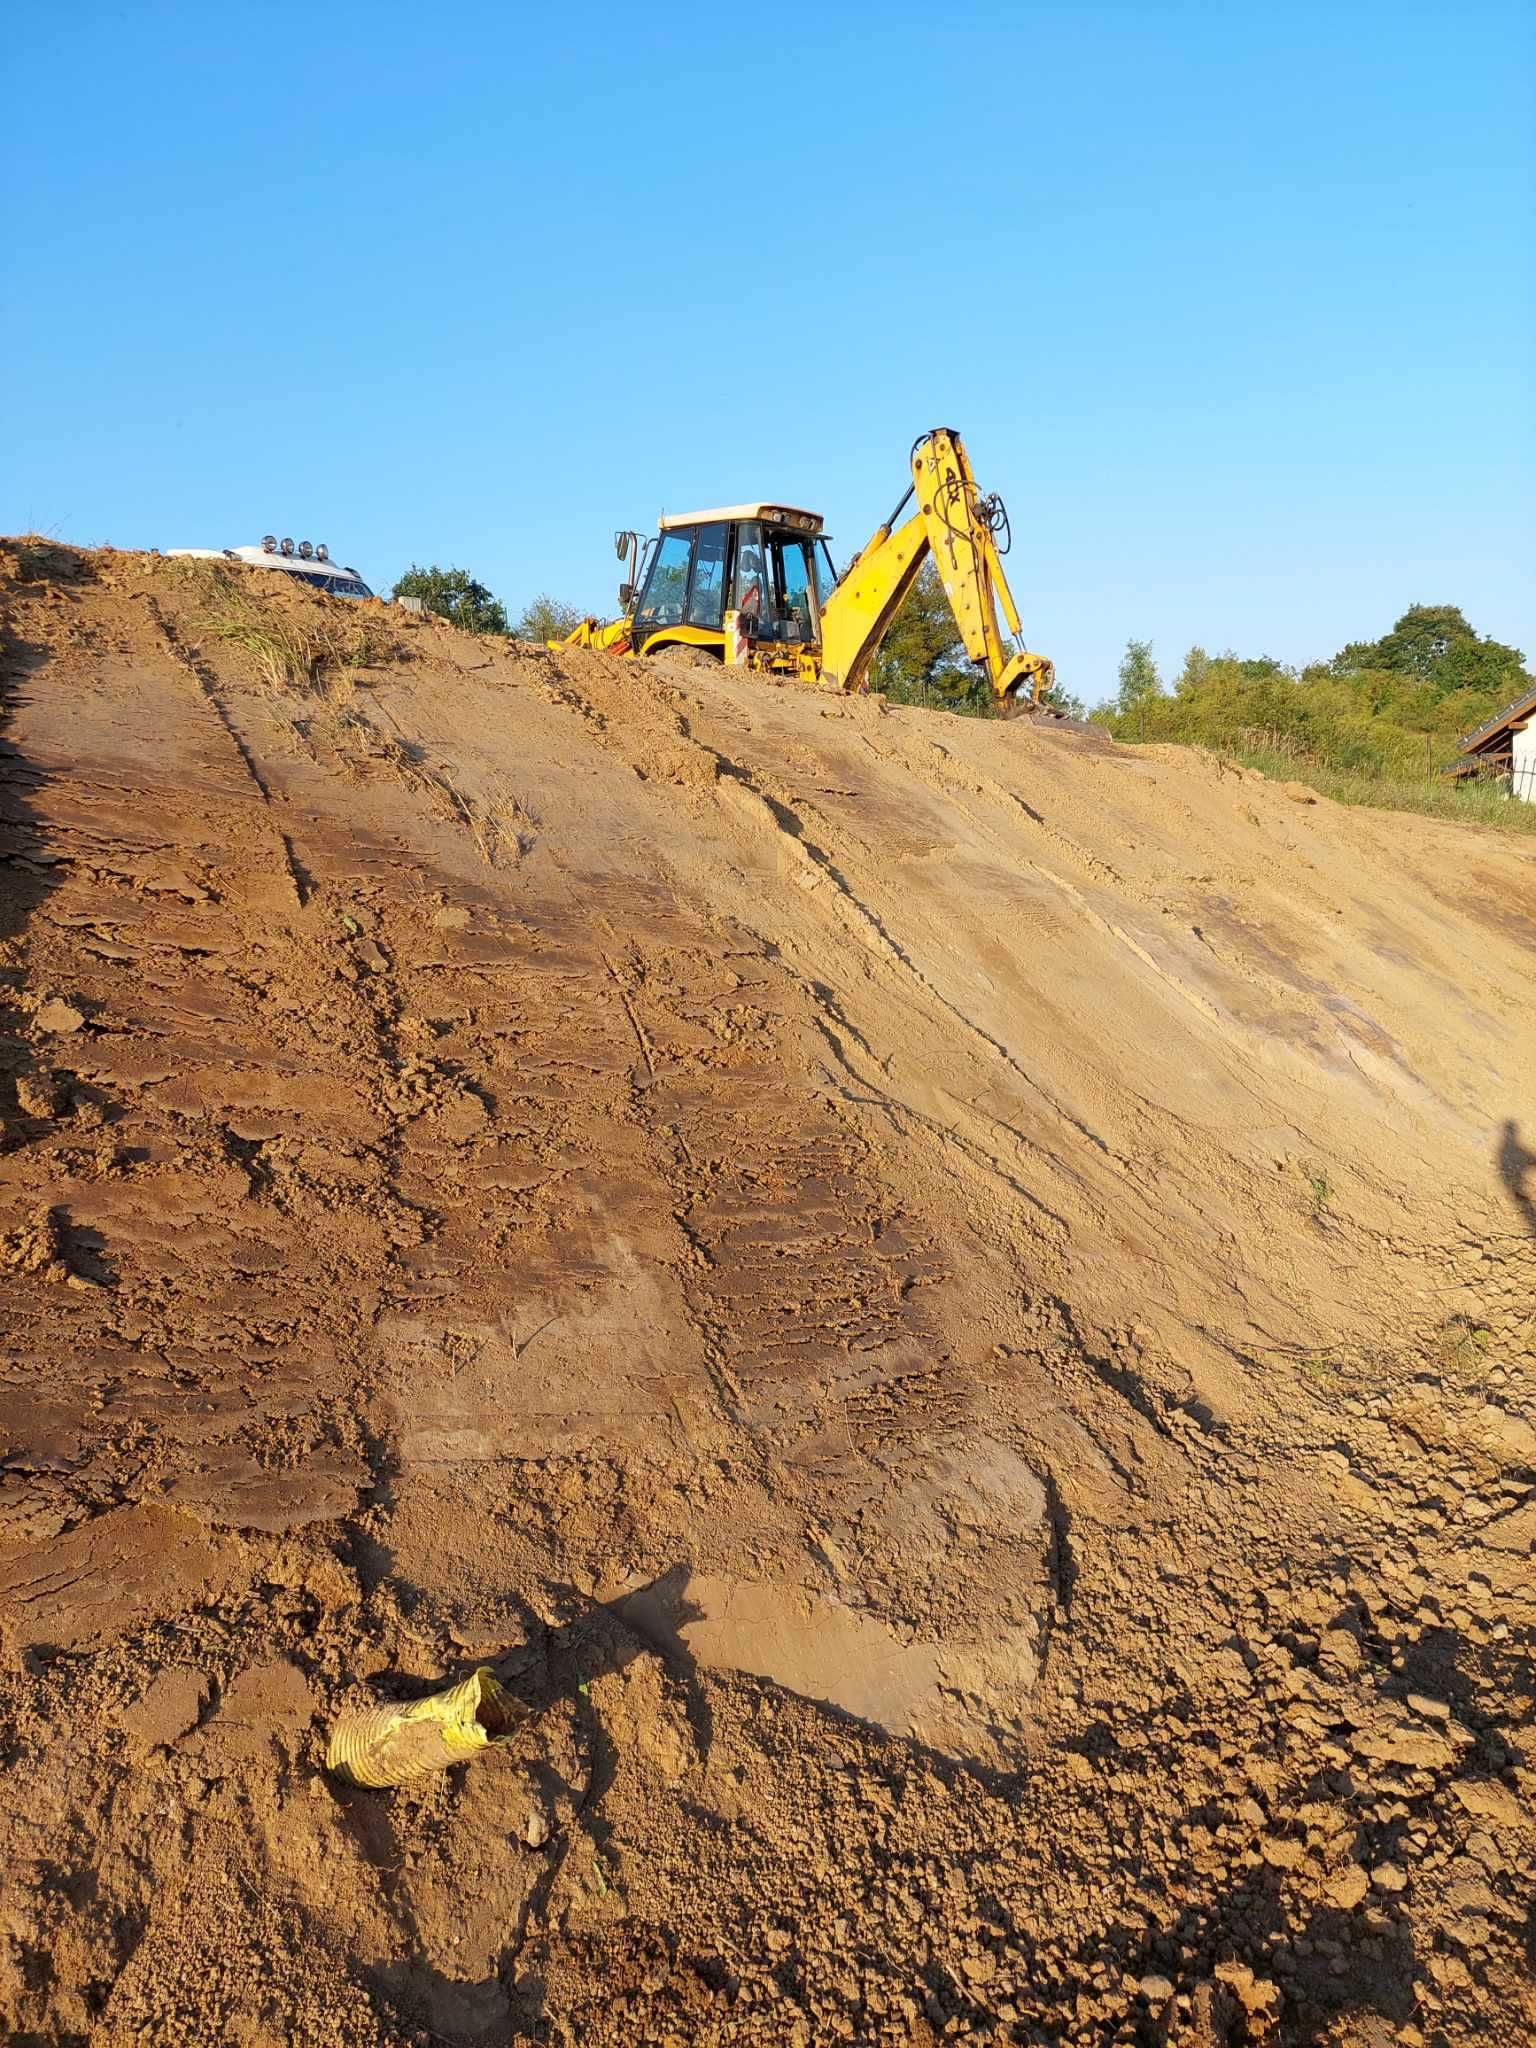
706,599
826,573
791,577
666,587
750,594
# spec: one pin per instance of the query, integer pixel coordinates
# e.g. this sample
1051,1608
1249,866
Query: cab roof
770,515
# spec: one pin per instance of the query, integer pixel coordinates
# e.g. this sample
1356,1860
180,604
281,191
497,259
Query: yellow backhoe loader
755,585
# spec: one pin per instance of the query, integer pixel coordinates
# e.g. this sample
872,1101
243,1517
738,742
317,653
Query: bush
546,618
455,595
1380,723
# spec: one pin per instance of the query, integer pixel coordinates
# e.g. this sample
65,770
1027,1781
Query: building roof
1511,719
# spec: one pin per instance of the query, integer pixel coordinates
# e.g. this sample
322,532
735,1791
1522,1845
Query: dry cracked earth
951,1305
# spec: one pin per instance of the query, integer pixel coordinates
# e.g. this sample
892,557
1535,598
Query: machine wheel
683,655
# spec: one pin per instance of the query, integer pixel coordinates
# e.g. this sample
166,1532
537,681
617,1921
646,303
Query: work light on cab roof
307,551
306,562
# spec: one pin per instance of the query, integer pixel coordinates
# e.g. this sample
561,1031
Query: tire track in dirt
204,678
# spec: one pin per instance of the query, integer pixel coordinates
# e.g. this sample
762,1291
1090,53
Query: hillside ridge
950,1301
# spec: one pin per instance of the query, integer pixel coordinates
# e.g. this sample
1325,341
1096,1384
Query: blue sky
1234,304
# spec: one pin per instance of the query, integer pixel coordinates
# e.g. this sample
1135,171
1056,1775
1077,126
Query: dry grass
336,726
1467,802
503,828
297,640
300,653
310,649
497,822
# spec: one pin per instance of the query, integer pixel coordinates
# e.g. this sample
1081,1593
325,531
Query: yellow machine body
610,638
753,585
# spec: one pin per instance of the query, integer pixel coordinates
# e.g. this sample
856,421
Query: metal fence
1513,780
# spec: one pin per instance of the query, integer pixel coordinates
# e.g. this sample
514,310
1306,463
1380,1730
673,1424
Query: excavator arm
953,522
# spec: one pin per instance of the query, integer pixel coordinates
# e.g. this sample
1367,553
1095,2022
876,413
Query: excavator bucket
1024,682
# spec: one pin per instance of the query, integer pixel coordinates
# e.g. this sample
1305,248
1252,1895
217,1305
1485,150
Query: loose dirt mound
953,1306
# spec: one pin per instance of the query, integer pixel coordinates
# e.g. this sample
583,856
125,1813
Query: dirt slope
952,1304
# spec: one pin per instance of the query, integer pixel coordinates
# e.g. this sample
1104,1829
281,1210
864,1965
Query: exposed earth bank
954,1305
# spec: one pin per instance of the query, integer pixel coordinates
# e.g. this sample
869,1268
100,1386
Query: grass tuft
1460,1349
308,650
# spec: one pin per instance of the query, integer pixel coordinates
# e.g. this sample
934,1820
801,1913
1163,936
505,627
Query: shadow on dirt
1304,1964
1517,1170
37,1084
29,1087
553,1666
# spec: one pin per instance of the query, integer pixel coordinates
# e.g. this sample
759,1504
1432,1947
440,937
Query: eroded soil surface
953,1305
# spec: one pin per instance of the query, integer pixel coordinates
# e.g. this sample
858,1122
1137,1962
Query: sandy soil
953,1305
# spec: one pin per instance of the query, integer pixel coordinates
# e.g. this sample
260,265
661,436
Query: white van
307,564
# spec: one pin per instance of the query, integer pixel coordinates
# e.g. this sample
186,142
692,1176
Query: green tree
546,618
455,595
922,656
1434,645
922,659
1197,667
1139,679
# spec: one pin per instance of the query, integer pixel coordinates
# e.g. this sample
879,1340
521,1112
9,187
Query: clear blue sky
1233,303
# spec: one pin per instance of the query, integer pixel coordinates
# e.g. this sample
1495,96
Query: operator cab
734,578
308,564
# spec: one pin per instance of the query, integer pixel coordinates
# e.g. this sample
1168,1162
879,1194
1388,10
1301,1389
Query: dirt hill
951,1303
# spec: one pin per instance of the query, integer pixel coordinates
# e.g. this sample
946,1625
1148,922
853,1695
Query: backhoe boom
958,526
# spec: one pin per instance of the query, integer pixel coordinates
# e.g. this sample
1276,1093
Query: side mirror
626,596
621,545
